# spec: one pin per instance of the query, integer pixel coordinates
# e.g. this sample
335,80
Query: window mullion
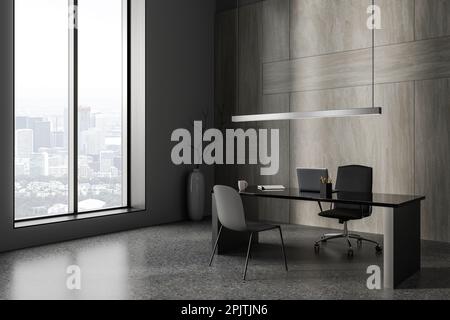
125,106
73,107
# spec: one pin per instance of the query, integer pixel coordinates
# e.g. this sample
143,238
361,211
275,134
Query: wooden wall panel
418,60
432,18
383,142
250,48
275,30
433,156
249,86
345,69
225,84
225,72
273,209
323,26
397,22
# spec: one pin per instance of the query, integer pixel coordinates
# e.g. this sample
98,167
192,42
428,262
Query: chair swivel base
346,235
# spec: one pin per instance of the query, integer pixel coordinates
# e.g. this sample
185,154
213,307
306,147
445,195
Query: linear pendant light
355,112
322,114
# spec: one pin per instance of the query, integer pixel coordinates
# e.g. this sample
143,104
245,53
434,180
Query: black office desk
401,226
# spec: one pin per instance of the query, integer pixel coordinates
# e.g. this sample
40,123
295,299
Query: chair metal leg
349,243
248,256
354,235
359,238
284,250
347,236
327,235
215,246
328,238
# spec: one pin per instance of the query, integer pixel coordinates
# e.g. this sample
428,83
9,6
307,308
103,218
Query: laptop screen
309,179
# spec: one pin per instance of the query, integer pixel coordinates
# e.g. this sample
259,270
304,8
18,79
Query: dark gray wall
180,85
179,37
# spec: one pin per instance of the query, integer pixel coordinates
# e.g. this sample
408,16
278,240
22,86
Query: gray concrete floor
170,262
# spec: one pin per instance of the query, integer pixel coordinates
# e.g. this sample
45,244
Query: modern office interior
227,149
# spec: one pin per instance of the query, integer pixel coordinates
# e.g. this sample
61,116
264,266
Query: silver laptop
309,179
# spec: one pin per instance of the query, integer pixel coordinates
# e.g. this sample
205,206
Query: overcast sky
41,44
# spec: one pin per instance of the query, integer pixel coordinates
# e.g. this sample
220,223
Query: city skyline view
42,102
42,164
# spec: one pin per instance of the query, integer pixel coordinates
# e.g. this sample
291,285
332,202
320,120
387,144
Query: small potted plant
326,187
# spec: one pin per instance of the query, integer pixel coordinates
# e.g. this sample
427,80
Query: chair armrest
320,206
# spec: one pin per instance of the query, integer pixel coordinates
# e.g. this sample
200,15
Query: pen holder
326,190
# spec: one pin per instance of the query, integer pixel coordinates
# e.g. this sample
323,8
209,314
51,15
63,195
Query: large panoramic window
70,107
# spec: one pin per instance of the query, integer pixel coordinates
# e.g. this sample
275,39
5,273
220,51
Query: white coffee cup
242,184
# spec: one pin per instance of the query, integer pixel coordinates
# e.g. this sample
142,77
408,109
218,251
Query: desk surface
372,199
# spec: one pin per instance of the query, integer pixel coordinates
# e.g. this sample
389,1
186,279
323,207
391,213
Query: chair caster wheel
350,253
317,248
378,249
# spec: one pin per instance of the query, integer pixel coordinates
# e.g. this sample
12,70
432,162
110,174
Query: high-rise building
94,120
84,169
39,165
32,122
106,161
42,135
22,167
58,172
57,139
58,163
92,142
22,123
118,162
66,128
24,143
84,119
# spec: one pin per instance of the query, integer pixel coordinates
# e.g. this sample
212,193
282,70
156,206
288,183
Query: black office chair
230,211
350,179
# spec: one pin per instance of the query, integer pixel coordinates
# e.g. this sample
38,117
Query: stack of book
271,188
